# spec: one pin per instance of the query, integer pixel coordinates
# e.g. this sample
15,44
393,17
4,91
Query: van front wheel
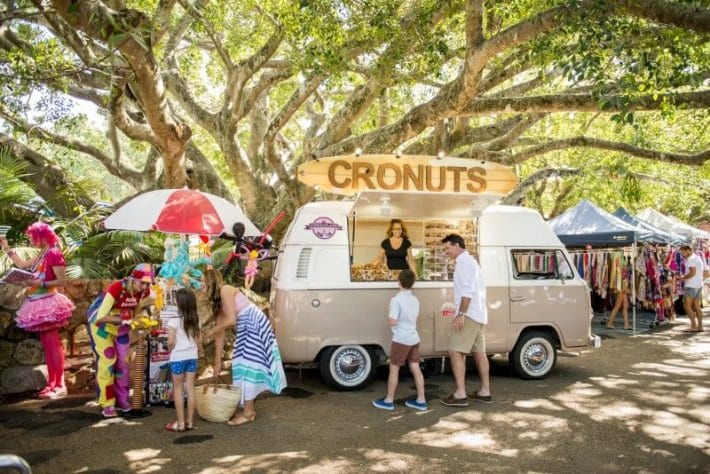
534,355
347,367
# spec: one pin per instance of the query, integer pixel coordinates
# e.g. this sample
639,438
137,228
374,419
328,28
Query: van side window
543,264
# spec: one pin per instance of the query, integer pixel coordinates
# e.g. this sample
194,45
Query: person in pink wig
45,310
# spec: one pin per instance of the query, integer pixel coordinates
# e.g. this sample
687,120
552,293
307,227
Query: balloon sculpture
250,249
178,268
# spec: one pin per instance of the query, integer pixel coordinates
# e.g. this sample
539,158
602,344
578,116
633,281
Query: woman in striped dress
256,360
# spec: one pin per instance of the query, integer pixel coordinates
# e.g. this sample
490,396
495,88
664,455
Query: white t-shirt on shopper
185,348
697,280
468,282
404,308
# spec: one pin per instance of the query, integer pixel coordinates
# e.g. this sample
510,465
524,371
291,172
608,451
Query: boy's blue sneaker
415,405
383,405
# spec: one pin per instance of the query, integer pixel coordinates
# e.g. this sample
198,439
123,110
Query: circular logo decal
323,227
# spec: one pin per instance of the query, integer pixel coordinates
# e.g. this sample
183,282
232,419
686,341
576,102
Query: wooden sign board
350,174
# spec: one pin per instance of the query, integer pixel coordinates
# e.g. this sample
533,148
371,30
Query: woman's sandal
242,419
189,427
174,427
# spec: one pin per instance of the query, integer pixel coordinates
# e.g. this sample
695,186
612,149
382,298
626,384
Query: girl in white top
183,337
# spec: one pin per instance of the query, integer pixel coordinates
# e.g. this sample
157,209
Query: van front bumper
595,341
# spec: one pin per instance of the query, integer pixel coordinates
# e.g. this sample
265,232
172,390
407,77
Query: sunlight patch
540,403
145,460
617,411
264,462
671,369
386,461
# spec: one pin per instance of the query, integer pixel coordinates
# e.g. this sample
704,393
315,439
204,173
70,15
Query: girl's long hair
187,309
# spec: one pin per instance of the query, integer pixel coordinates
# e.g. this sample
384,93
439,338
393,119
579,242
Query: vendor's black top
396,258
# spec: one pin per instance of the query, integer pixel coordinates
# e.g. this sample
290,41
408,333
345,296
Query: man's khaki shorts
471,338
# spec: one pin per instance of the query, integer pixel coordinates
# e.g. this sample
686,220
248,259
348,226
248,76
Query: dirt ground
641,403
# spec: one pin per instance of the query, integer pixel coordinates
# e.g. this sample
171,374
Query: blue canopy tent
657,235
587,224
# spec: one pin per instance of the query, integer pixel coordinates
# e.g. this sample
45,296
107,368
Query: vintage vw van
330,309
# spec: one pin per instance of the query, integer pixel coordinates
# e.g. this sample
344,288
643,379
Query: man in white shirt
469,325
693,288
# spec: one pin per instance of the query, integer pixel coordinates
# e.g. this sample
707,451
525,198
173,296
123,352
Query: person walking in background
469,326
109,318
621,296
396,249
256,360
45,310
183,338
693,288
403,313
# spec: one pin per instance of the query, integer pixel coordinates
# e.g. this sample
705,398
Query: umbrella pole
633,284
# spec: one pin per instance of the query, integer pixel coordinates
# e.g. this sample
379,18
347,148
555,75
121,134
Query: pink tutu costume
45,309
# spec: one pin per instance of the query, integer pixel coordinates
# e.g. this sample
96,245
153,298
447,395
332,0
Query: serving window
425,235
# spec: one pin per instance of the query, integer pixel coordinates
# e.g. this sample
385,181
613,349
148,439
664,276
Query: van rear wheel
534,355
347,367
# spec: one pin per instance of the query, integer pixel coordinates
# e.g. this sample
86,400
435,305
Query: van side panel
557,303
308,321
496,272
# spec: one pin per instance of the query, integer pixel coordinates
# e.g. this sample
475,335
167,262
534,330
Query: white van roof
513,226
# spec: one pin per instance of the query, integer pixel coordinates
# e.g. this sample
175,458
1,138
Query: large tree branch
696,159
46,178
128,29
516,196
112,166
181,92
691,17
239,75
125,123
161,19
297,99
197,14
585,103
509,139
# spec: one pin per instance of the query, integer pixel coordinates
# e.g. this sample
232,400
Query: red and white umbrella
179,211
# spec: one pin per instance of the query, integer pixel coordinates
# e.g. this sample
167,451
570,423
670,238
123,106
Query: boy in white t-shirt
404,310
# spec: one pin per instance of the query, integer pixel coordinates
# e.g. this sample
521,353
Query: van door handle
517,299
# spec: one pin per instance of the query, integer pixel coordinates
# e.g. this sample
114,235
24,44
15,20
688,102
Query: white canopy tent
671,224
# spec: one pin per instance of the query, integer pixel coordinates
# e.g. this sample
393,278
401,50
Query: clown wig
41,234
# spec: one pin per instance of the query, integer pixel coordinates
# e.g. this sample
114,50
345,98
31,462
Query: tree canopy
229,95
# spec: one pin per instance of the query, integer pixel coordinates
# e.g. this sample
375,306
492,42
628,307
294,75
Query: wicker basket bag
217,402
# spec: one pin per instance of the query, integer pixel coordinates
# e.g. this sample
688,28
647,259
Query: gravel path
641,403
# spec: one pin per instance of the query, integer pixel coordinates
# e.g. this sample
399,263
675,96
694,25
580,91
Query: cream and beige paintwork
316,305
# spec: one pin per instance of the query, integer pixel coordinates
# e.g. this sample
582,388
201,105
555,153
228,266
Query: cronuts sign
351,174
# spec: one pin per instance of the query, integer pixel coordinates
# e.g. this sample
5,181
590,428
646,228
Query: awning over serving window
417,206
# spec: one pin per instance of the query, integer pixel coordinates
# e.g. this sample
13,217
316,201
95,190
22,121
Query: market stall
605,244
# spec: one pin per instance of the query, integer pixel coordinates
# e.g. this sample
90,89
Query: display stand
159,386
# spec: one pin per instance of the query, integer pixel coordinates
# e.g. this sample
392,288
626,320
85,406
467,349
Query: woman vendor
396,249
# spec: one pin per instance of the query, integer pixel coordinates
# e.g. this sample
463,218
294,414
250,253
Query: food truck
330,305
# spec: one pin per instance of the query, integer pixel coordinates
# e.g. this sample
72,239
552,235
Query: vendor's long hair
213,285
187,309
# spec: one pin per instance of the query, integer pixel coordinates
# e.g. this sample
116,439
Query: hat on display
143,272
